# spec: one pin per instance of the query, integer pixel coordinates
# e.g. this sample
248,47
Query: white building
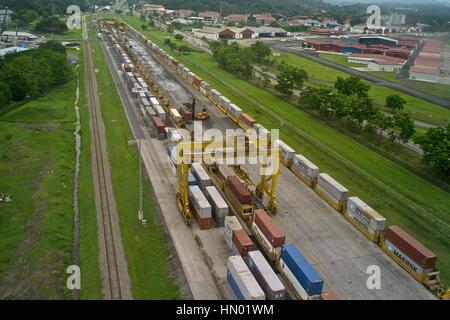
13,36
5,15
396,19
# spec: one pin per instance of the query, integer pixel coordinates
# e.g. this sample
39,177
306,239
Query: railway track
116,283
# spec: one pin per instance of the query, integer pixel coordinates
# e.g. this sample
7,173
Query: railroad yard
240,232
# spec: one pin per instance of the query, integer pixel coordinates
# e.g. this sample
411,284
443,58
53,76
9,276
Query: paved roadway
340,253
367,76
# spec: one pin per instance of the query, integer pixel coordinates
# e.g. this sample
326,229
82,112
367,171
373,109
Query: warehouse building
378,40
378,62
9,36
269,32
425,74
225,33
10,50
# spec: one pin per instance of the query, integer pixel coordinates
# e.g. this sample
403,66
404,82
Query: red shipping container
197,80
242,242
247,120
203,223
239,190
185,113
411,247
159,125
269,229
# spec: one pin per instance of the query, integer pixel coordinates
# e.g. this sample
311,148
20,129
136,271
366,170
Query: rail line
114,286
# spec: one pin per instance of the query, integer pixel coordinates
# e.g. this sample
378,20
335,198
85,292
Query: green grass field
145,248
383,184
37,161
341,59
418,109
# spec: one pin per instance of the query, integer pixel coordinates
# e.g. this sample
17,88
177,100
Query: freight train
413,256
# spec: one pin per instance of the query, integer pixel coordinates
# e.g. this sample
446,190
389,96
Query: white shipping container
200,202
332,187
302,165
231,223
234,110
224,102
220,207
287,153
243,279
365,215
266,277
201,175
160,112
154,101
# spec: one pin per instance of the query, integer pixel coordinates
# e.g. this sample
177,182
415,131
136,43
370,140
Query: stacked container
201,175
332,191
366,219
305,170
412,254
224,104
234,112
300,274
238,190
186,113
246,121
266,277
215,96
231,223
200,207
219,206
287,153
241,280
242,244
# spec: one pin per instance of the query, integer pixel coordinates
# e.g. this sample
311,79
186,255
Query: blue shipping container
234,286
302,270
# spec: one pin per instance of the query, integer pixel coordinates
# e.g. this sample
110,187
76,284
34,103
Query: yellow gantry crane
209,152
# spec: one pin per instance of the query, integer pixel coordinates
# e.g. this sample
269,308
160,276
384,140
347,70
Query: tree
435,144
179,36
184,49
404,125
261,52
362,110
284,84
5,94
382,122
144,26
53,45
352,86
167,42
395,103
51,25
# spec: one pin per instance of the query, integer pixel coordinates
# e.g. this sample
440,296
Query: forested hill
286,7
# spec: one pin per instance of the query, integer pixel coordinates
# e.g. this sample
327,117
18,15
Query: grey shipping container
200,202
266,277
332,187
302,165
219,206
201,175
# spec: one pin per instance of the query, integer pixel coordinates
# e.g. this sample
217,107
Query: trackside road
113,265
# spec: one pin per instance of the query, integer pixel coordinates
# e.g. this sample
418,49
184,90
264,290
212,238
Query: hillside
287,7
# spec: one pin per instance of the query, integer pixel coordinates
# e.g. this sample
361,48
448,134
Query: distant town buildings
264,18
210,17
154,8
183,13
236,18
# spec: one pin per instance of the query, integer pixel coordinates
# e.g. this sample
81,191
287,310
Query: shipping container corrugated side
309,279
242,242
334,188
239,190
266,277
242,281
411,247
269,229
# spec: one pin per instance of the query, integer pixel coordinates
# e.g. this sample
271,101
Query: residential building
236,18
154,8
183,13
265,18
210,17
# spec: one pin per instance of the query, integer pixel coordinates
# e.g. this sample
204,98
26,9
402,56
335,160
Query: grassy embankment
145,248
436,89
382,183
